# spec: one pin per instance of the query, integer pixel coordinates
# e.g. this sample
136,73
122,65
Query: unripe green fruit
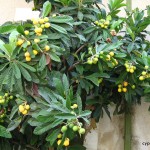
96,55
141,78
144,73
71,107
89,52
133,86
146,67
2,101
82,131
111,54
75,128
64,129
2,115
72,112
6,94
100,80
11,97
90,48
131,70
71,125
90,62
95,59
1,97
75,105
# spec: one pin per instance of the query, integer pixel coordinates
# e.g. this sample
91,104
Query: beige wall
8,9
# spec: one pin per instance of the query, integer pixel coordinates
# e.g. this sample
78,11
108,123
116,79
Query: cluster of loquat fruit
66,142
109,57
73,124
129,67
123,87
39,26
144,74
5,98
102,23
24,108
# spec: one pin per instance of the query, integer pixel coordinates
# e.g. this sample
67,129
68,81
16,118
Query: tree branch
80,48
73,66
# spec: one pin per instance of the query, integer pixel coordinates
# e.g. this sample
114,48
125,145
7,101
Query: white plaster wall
111,132
141,126
12,10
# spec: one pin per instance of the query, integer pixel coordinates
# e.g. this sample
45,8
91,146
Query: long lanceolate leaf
45,127
46,9
114,6
4,133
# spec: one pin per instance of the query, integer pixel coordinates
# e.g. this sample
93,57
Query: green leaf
4,132
54,36
14,124
20,29
84,113
25,73
60,107
80,15
94,77
3,48
120,55
94,80
13,111
53,136
16,71
61,19
46,9
54,57
130,47
45,119
65,83
58,28
42,63
27,66
13,37
43,92
59,86
130,33
79,103
89,29
2,66
7,28
65,116
43,128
